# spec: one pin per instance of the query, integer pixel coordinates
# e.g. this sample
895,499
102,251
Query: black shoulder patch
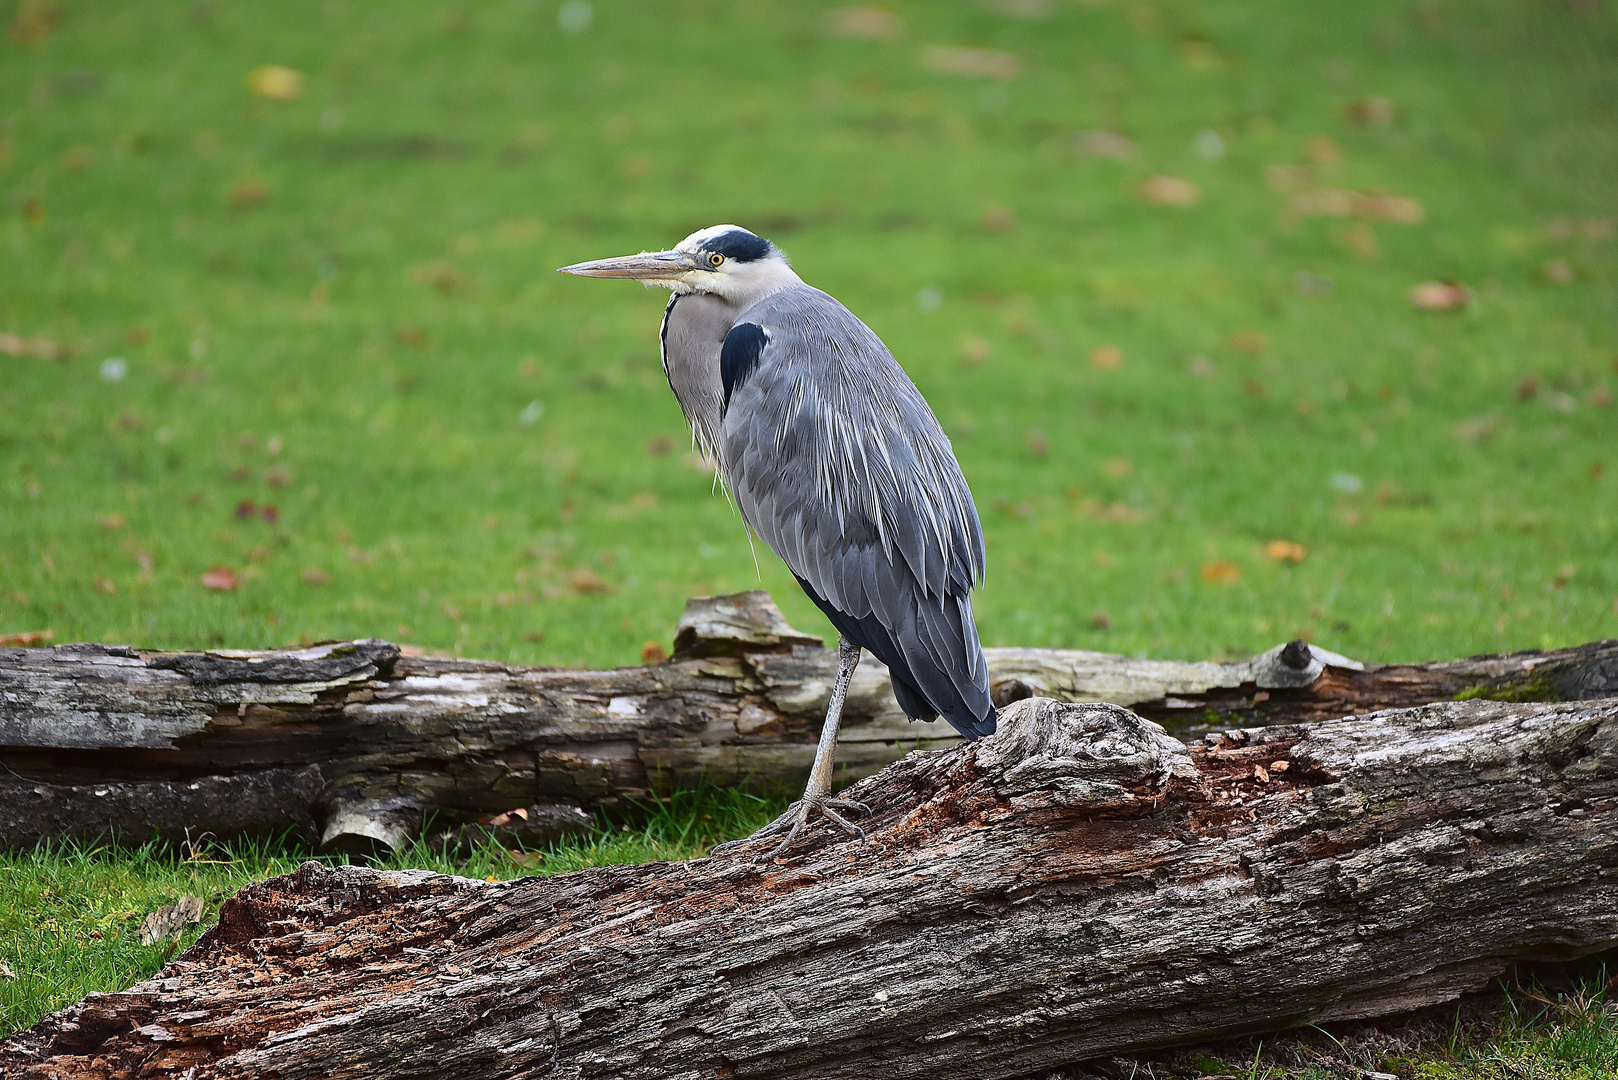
739,245
739,356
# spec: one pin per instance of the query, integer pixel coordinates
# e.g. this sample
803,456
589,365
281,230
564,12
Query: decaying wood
1079,884
360,747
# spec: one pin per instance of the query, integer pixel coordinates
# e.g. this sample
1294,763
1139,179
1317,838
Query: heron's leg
815,794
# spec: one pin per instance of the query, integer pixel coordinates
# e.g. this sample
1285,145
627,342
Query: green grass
70,916
295,351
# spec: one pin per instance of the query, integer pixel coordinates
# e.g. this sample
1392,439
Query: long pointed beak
645,266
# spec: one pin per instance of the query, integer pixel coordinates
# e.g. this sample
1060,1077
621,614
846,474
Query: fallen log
1078,885
360,747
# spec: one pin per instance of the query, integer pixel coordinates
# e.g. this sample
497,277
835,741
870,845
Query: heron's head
725,260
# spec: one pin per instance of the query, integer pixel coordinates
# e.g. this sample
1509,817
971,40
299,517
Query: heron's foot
796,817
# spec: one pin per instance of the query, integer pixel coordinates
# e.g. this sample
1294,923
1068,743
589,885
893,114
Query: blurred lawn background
304,332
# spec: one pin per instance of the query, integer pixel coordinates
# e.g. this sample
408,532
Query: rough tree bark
358,747
1079,884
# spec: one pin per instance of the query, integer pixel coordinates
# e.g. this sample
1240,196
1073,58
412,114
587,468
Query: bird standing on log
836,462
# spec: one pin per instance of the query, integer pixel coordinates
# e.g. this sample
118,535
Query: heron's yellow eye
716,259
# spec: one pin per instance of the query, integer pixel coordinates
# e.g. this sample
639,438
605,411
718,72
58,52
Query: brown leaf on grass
1285,551
1252,342
170,920
106,586
653,652
1323,151
985,63
1563,576
1100,620
587,582
35,21
220,578
1104,144
33,210
999,219
1558,272
314,575
1369,112
277,476
874,23
28,638
1360,240
974,351
659,445
1255,388
1599,398
441,276
111,522
1220,572
1440,296
44,348
275,83
247,193
413,336
1167,191
1106,358
5,971
1527,388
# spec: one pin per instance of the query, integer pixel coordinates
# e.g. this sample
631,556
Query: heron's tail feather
934,659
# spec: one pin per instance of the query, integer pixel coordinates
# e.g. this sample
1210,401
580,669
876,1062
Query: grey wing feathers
839,465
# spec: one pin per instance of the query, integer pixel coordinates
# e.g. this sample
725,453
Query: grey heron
833,459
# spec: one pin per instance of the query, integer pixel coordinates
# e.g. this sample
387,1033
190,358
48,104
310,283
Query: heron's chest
693,332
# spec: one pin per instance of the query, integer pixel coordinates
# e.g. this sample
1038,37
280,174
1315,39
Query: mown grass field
342,306
315,345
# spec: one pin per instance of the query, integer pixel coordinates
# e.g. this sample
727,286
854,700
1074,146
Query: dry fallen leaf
5,971
1440,296
1252,342
170,920
1527,388
28,638
1369,112
1104,144
441,276
314,575
222,578
1285,551
34,22
653,652
44,348
987,63
247,193
875,23
1106,358
585,581
1167,191
1221,573
275,83
1100,620
974,351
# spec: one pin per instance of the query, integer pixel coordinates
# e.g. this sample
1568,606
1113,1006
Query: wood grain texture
1079,884
398,739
